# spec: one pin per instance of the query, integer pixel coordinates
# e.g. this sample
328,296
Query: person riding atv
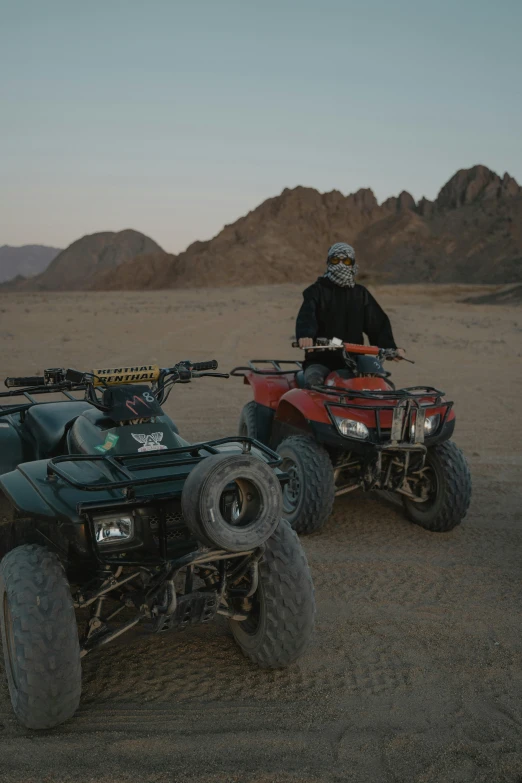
339,422
336,306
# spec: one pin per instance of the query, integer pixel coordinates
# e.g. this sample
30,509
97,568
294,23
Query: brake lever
393,358
211,374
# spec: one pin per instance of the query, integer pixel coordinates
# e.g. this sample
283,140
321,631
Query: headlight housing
351,428
431,424
114,529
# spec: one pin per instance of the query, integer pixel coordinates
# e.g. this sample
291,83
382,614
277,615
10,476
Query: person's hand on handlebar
401,354
305,342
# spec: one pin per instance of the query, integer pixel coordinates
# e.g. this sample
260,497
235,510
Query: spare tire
232,502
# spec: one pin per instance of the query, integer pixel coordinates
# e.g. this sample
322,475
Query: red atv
357,431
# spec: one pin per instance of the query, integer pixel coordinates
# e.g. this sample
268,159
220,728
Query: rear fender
267,389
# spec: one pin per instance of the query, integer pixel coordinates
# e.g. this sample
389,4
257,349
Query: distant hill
76,267
146,271
26,261
471,233
509,294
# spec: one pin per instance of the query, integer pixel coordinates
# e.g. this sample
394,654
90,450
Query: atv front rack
409,392
273,367
408,399
124,464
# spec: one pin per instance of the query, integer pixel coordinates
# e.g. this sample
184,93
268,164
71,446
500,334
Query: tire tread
289,601
457,496
248,420
318,483
46,637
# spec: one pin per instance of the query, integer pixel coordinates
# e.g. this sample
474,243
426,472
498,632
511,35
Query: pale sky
175,118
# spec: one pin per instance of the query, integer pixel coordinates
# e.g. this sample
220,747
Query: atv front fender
308,404
23,496
39,517
11,446
33,494
297,413
267,389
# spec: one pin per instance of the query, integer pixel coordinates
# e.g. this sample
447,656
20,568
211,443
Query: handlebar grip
31,380
317,342
202,366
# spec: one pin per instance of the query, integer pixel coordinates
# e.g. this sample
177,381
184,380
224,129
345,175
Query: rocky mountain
472,232
26,261
89,258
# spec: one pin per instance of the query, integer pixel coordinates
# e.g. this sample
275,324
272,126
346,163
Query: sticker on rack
150,442
110,441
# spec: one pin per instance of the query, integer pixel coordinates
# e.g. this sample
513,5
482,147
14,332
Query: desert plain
414,674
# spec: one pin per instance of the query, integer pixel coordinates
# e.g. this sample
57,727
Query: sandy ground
415,669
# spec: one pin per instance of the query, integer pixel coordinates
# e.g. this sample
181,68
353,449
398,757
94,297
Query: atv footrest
191,609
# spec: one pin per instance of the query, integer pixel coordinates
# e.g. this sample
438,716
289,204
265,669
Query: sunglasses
345,261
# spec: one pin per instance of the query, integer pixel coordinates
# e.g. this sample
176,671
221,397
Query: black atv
105,509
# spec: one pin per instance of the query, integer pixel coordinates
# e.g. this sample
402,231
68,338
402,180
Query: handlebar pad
31,380
368,350
201,366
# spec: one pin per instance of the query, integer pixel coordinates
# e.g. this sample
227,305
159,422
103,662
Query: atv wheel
309,494
232,502
39,637
449,478
247,421
281,621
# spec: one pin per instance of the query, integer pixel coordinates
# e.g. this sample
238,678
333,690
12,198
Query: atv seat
48,421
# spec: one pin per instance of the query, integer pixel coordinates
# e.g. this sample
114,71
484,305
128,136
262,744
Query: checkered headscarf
340,274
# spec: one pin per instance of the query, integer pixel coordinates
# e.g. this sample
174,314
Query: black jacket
329,310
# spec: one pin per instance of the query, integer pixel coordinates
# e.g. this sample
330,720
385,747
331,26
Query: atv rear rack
274,367
29,394
161,459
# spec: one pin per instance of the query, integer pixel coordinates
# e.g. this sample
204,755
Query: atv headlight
430,425
352,429
113,529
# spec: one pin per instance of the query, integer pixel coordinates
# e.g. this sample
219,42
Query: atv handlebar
61,378
324,344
